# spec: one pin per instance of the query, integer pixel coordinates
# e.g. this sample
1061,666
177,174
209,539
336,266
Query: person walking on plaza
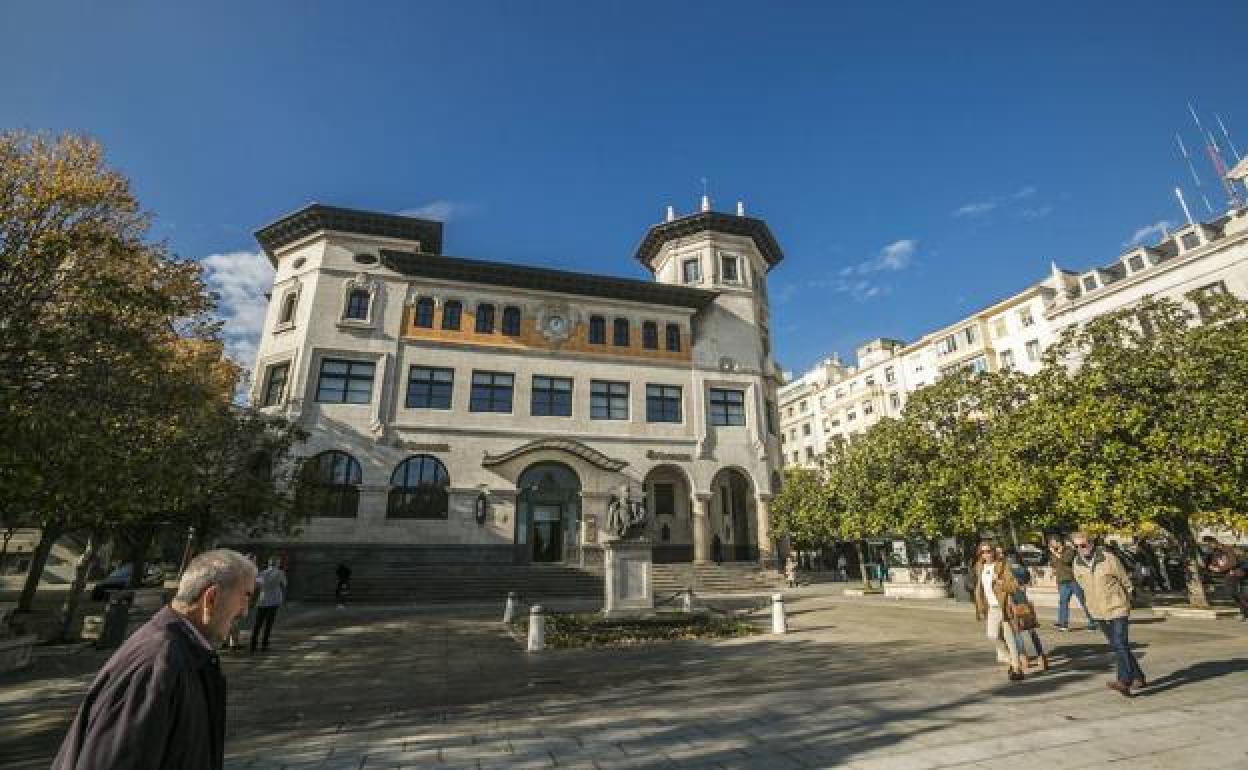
1229,561
790,570
159,701
343,588
1107,587
271,585
1023,631
842,567
993,584
1061,558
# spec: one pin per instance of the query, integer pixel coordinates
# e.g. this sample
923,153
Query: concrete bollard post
686,601
509,612
537,629
778,623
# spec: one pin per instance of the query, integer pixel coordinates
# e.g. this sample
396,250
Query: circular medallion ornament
555,323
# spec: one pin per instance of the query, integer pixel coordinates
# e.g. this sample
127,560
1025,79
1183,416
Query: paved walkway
858,684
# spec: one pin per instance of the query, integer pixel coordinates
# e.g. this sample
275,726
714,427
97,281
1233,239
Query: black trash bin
957,583
116,618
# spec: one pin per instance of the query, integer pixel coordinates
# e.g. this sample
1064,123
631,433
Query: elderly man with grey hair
159,701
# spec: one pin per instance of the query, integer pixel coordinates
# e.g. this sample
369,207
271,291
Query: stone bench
915,583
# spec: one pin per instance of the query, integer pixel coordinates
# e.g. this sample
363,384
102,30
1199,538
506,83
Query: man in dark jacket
159,701
1062,559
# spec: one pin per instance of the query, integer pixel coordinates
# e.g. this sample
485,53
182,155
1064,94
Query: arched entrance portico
670,526
547,512
733,531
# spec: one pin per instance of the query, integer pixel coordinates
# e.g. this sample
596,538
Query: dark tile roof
544,279
316,216
710,220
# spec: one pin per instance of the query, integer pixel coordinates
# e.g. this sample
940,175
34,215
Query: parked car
119,579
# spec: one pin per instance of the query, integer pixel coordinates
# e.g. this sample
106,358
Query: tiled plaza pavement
857,684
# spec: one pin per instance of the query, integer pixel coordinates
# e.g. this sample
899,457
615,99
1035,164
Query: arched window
597,330
485,318
673,338
511,321
619,332
424,313
650,335
451,313
418,489
329,486
289,303
357,305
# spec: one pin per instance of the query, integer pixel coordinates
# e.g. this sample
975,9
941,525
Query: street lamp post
186,554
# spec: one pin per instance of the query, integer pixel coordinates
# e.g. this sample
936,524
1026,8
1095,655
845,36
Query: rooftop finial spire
740,208
706,197
671,214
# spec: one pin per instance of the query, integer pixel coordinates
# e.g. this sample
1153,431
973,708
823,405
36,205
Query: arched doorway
547,513
670,524
732,511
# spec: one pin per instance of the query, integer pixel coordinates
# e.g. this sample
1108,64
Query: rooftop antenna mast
1227,134
1192,168
1215,157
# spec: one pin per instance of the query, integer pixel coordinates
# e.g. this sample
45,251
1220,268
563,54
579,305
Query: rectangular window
491,392
1089,283
771,420
727,407
868,407
972,334
345,382
1136,262
728,269
1024,317
810,453
894,400
276,384
663,403
429,387
664,500
1190,241
890,376
650,335
1033,350
485,319
1007,359
619,332
551,397
870,380
608,400
691,271
1205,298
806,429
850,417
673,338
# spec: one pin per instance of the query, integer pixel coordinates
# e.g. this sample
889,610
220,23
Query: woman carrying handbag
994,583
1022,611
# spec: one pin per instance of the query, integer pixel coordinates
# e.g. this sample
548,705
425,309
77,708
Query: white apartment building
471,412
838,400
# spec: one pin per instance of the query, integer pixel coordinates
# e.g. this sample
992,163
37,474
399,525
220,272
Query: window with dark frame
1205,298
485,318
491,392
770,417
551,396
289,303
419,489
423,317
727,407
673,338
664,499
691,271
663,403
608,400
728,269
511,321
619,332
597,330
345,382
275,385
650,335
429,387
357,304
329,486
452,312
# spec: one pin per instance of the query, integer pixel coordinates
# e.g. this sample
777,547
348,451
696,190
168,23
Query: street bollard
537,629
686,601
509,612
778,624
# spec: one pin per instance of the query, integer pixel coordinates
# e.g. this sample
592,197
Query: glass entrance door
547,532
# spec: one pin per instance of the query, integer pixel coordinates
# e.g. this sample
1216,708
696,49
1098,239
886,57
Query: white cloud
892,258
1040,212
977,209
1024,192
240,279
439,210
1154,231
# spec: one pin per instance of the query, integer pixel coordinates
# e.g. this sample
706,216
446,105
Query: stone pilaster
701,529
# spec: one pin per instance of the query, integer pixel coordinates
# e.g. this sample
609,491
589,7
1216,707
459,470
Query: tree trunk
862,563
4,547
1196,595
138,548
74,599
48,536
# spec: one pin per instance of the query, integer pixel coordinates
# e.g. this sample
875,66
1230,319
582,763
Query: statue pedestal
627,565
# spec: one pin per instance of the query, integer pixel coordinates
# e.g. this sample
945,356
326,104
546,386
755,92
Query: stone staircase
726,578
399,583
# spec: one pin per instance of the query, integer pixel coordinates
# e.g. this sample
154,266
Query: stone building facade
838,401
478,412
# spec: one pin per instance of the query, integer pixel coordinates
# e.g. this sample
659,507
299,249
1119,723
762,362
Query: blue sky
916,160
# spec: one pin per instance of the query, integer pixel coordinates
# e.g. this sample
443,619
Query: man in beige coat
1107,589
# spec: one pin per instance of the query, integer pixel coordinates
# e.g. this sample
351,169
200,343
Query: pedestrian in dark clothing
159,701
1062,559
343,588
